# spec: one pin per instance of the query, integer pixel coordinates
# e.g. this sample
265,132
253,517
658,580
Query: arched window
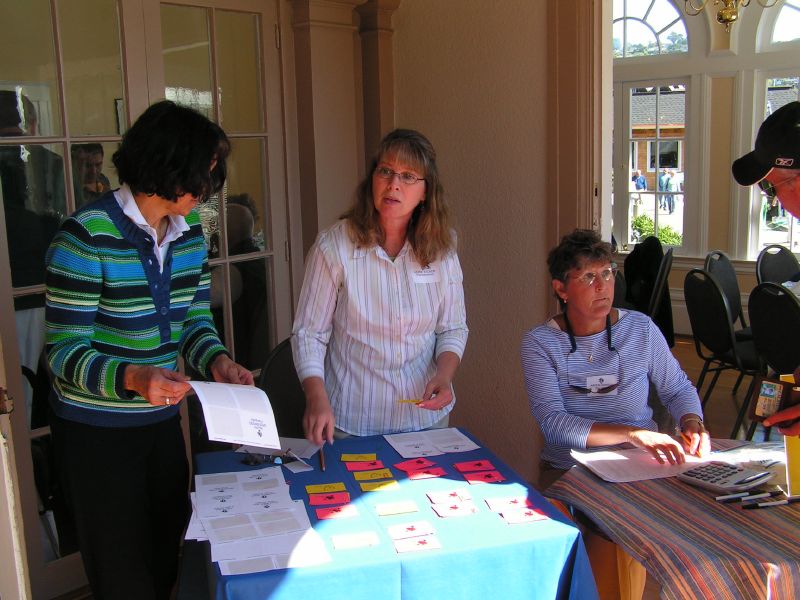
787,24
647,28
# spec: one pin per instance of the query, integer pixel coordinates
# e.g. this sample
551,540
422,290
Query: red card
484,477
337,512
332,498
415,464
364,466
475,465
427,473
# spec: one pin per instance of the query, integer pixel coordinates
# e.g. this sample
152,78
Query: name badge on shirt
599,384
429,274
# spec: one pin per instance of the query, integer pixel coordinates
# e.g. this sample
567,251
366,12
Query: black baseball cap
777,146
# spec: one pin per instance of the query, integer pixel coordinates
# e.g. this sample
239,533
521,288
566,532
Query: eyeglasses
590,277
770,189
406,178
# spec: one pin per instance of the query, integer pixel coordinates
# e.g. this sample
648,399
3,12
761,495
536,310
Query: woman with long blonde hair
381,324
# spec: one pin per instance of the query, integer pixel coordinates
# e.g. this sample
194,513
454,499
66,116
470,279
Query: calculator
724,477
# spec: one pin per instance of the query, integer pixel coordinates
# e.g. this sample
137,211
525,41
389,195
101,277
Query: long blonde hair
429,228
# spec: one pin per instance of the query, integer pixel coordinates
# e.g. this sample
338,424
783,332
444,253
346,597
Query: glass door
72,75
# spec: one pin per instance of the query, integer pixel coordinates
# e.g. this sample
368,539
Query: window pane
239,72
671,111
187,57
662,14
92,66
642,216
246,167
640,39
674,39
642,111
787,25
32,179
617,32
92,175
251,313
27,62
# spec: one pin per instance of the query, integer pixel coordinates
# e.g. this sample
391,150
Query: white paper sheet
239,414
306,551
633,464
432,442
637,464
221,494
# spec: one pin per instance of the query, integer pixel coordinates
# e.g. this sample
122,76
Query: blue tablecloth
481,555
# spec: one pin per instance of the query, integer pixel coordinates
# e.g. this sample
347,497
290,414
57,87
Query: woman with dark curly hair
127,291
381,326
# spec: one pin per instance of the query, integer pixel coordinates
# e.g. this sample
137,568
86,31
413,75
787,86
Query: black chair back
709,313
720,266
660,285
775,319
283,388
777,264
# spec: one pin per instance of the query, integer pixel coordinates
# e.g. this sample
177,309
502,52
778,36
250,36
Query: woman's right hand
660,445
160,387
318,420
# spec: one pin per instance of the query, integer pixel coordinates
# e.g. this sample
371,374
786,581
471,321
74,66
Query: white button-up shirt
372,328
175,228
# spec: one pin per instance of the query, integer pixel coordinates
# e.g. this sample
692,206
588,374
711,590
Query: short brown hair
575,248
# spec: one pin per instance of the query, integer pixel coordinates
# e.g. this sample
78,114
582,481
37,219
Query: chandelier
728,13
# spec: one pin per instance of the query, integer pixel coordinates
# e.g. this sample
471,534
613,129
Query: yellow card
379,486
792,465
371,475
325,488
359,457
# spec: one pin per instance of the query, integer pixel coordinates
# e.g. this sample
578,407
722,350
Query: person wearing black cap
774,165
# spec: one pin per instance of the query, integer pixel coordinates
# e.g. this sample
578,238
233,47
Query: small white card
443,497
348,541
408,530
429,274
509,503
396,508
526,515
455,509
416,544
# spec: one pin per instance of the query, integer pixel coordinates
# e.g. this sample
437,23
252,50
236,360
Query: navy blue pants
128,490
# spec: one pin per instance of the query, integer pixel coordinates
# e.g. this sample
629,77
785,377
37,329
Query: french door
73,75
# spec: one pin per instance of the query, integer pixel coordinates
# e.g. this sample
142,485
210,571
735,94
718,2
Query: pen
322,457
754,497
773,503
410,401
731,497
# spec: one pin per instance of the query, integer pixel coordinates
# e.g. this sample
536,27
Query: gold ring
167,400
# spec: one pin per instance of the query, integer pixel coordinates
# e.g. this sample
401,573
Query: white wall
472,77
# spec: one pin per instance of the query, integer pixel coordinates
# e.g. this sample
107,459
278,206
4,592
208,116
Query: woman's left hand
695,439
438,393
224,370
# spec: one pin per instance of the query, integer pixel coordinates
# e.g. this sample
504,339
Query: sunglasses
276,458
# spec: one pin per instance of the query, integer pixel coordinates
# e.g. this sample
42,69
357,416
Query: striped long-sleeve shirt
371,328
566,414
109,305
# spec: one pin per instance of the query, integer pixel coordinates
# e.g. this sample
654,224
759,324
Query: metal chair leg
738,381
711,385
743,409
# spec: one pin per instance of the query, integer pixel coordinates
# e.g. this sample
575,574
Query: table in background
481,556
694,546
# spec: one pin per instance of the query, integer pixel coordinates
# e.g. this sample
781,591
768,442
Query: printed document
239,414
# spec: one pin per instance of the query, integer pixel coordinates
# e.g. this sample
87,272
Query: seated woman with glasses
381,326
588,372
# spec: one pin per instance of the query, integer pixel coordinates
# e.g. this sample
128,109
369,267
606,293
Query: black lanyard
571,335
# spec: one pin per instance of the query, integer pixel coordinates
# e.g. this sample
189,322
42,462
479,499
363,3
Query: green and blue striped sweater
108,305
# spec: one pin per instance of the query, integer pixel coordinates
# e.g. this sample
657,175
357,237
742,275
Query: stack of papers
252,522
